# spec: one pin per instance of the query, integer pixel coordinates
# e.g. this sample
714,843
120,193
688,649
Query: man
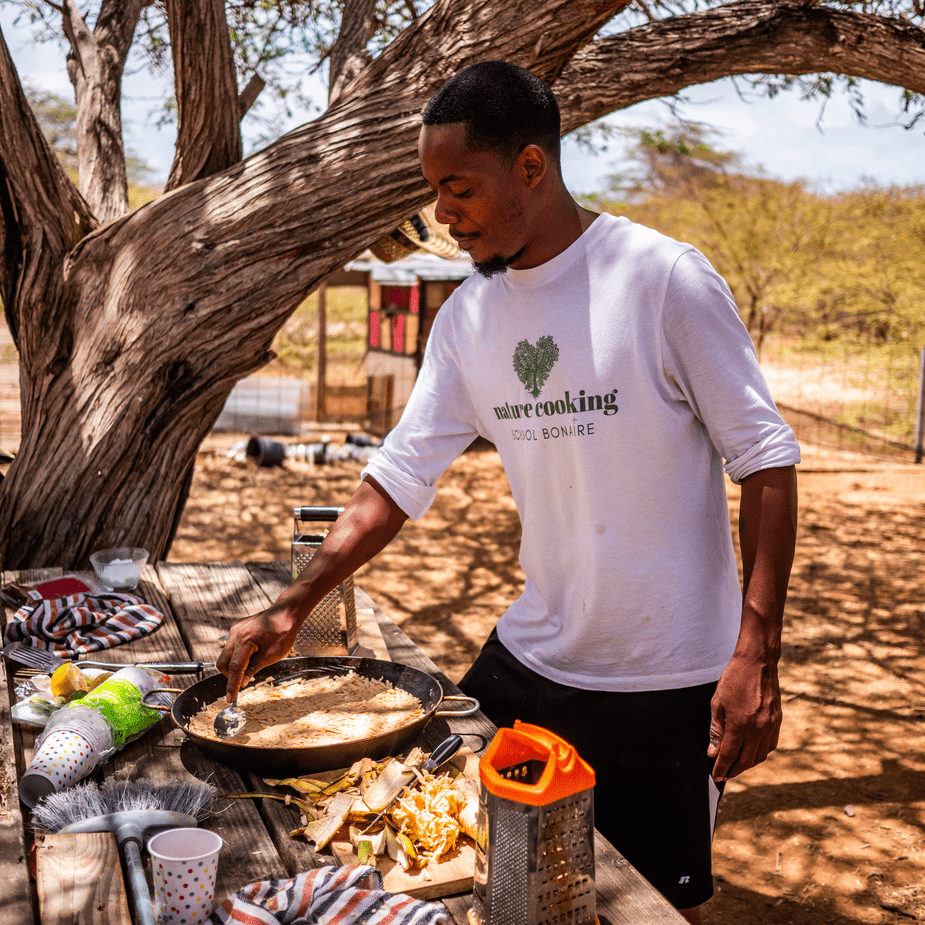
609,366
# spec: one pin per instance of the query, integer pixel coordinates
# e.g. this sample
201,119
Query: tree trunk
132,335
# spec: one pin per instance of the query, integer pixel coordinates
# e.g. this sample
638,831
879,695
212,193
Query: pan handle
159,690
467,712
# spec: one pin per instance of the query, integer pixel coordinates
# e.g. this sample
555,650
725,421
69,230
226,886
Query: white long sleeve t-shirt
614,381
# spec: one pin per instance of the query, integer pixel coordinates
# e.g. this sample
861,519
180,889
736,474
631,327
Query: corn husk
321,831
378,793
468,814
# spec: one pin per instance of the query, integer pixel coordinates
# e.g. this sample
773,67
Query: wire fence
859,398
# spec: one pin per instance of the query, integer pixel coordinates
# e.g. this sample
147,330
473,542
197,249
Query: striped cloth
326,896
82,623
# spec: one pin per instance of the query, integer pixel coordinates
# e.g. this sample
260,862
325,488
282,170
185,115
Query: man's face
477,196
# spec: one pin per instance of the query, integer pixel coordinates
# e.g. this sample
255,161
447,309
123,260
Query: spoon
230,721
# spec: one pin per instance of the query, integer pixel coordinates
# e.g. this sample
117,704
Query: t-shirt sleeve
437,425
710,358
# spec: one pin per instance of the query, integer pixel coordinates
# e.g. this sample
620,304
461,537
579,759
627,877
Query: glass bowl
119,569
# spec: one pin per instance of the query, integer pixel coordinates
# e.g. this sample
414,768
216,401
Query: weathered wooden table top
199,603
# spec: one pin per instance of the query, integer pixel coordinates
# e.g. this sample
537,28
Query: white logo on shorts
685,880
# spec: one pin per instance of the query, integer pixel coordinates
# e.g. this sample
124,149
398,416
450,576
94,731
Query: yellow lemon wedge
98,679
67,680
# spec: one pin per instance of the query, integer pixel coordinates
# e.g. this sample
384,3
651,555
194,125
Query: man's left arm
746,706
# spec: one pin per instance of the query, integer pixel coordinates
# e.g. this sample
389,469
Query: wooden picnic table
200,602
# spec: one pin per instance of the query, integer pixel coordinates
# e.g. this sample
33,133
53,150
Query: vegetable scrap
425,815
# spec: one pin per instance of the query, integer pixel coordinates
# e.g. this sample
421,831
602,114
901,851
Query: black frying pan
265,761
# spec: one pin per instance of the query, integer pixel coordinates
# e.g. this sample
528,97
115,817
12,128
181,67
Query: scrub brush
131,810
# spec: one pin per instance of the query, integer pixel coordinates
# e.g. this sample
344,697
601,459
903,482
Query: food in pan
309,712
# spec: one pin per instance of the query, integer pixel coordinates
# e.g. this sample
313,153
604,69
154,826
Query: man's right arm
369,522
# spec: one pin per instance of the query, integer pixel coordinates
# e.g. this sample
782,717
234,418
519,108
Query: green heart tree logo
533,364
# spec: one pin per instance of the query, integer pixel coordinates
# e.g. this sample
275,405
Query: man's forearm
369,522
767,538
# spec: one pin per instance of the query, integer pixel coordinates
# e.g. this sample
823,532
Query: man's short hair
504,108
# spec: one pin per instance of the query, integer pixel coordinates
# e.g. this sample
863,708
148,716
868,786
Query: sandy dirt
830,828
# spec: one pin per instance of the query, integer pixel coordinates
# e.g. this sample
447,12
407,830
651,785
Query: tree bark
249,94
208,107
136,333
95,68
42,217
348,53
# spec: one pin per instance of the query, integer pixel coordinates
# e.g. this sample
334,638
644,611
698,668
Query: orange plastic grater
534,860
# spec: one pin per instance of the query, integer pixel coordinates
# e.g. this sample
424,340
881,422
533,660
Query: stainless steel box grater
535,852
331,628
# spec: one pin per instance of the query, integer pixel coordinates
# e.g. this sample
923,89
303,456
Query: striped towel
326,896
82,623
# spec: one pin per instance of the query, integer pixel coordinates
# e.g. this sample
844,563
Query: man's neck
564,223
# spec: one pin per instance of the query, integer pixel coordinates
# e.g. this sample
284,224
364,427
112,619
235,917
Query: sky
782,136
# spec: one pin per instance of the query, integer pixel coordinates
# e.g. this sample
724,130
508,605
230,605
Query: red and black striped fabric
326,896
82,623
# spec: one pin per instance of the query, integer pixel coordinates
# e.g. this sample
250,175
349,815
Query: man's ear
532,164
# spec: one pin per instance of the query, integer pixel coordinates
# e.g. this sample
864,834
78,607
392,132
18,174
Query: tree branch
746,37
42,216
95,69
116,24
248,96
348,55
542,37
209,135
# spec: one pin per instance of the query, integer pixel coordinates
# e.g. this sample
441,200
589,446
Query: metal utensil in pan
265,761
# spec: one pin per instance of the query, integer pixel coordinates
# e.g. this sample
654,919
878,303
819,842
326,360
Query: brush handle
139,893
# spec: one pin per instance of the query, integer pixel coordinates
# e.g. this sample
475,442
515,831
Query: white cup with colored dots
183,866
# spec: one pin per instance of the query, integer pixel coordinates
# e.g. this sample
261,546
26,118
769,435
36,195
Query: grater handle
309,513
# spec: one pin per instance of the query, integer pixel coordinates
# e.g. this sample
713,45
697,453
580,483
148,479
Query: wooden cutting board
453,875
79,879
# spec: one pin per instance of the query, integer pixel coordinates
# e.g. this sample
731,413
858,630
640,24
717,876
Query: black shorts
654,798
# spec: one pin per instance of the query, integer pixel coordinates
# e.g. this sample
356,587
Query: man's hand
367,525
255,643
746,717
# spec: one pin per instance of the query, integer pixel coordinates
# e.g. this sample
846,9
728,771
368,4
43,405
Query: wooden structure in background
404,298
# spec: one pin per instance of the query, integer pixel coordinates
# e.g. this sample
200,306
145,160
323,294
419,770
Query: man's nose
444,213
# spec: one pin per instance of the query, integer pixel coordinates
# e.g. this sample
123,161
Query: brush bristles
86,800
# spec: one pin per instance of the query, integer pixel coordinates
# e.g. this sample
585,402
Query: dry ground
830,828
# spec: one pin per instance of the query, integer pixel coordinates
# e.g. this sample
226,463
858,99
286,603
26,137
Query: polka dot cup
63,758
183,866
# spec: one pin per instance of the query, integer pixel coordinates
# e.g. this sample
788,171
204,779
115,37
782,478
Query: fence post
920,420
321,396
